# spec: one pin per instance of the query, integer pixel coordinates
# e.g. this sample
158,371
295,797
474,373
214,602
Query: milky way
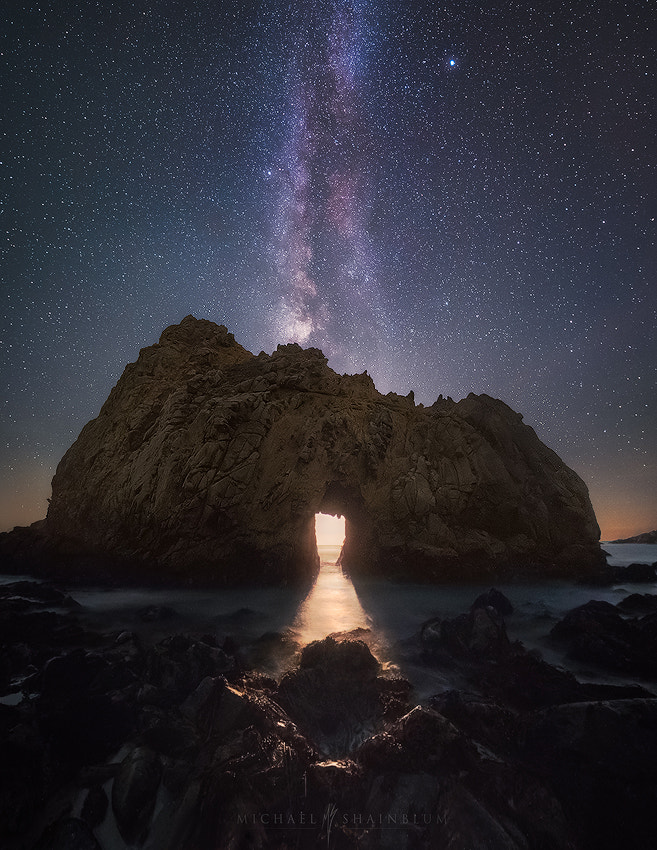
326,260
457,197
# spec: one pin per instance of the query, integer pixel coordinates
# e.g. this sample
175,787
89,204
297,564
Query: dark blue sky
456,197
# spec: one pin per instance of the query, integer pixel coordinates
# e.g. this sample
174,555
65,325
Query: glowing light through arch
329,530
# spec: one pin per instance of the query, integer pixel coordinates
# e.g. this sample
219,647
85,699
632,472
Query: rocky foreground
180,744
207,464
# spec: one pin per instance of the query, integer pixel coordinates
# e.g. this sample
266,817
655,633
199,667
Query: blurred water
394,613
622,554
332,605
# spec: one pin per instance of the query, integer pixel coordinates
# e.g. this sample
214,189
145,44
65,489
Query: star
309,171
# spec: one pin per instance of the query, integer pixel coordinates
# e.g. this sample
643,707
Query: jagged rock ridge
649,537
209,462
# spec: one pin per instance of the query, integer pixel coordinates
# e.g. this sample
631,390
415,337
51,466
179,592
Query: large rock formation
208,461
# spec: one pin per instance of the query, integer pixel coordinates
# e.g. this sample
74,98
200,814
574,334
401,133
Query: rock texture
211,462
174,745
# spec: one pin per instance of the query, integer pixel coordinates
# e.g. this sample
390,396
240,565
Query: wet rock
633,574
599,757
467,823
22,781
349,659
17,663
395,696
525,681
336,781
97,774
68,834
424,764
39,628
203,703
423,739
168,733
494,599
481,718
251,770
134,791
335,695
279,647
94,807
177,821
638,603
178,664
406,804
596,632
83,727
72,672
115,677
216,708
648,627
36,593
638,573
481,633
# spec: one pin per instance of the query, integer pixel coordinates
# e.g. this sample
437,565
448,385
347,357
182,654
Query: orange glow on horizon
618,524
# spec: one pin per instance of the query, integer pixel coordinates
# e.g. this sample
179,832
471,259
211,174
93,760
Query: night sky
457,197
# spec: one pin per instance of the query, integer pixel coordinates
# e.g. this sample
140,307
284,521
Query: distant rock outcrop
646,537
209,463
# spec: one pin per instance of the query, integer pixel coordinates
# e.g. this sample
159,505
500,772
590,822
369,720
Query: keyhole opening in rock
332,604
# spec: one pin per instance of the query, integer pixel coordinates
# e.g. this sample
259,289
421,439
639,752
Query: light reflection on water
332,605
393,612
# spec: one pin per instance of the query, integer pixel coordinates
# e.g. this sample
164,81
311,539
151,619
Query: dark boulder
481,718
349,659
22,780
598,634
423,740
481,633
36,593
70,673
494,599
633,573
600,759
638,603
525,681
424,764
134,791
637,573
85,728
95,806
39,628
335,695
178,664
468,823
68,834
167,732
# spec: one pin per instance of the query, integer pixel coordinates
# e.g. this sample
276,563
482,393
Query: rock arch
360,543
208,462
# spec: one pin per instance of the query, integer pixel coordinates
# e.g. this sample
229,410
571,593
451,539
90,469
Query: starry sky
457,197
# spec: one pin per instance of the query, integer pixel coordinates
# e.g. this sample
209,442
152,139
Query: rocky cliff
210,462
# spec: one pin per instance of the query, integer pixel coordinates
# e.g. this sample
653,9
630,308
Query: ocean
272,624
